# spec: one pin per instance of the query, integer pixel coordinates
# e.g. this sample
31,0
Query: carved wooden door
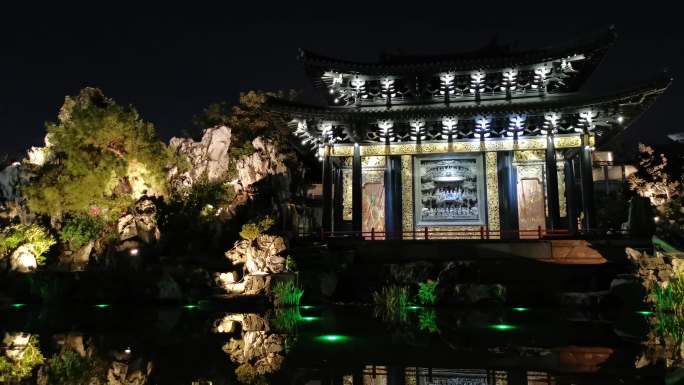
531,205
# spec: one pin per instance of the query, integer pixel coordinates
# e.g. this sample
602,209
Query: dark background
171,61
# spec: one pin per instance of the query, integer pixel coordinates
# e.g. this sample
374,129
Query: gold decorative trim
492,191
407,194
468,145
562,199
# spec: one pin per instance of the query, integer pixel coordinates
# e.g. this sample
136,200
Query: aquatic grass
287,293
669,308
285,320
391,303
427,293
427,321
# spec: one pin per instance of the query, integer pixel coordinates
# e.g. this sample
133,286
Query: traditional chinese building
495,142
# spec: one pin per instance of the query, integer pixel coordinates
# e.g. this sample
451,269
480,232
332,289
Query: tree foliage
81,229
199,205
105,157
251,231
248,119
653,179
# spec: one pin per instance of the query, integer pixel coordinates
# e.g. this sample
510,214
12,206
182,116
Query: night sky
172,61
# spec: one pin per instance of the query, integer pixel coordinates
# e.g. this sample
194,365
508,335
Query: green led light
645,312
102,305
414,307
190,306
309,319
18,305
521,309
502,327
332,338
306,307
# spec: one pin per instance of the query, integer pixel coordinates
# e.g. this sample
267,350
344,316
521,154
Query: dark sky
171,61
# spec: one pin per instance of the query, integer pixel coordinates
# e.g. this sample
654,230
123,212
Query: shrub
427,293
69,368
81,229
290,264
391,303
287,293
251,231
35,235
31,357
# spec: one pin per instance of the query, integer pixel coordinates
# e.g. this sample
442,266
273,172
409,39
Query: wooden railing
482,233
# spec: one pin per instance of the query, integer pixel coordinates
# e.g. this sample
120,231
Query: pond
208,344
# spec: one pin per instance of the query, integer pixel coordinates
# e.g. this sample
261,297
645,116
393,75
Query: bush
31,357
251,231
19,235
69,368
287,293
427,293
81,229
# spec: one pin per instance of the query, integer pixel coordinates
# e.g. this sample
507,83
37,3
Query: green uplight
309,319
306,307
102,305
521,309
190,306
645,312
502,327
332,338
414,307
18,305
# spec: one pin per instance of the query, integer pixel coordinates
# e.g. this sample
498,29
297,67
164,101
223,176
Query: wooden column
508,194
327,192
552,184
570,195
356,189
586,176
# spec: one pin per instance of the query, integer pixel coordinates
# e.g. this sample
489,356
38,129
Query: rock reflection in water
256,349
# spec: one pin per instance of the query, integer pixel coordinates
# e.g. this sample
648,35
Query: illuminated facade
494,141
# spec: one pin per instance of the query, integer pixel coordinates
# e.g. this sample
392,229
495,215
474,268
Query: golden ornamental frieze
472,145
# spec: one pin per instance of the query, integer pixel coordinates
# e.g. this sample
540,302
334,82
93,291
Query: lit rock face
23,259
9,181
14,345
265,161
39,156
208,157
141,223
263,256
259,259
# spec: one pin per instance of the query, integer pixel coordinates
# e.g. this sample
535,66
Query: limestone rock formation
258,260
263,256
9,181
141,223
23,259
265,161
209,157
